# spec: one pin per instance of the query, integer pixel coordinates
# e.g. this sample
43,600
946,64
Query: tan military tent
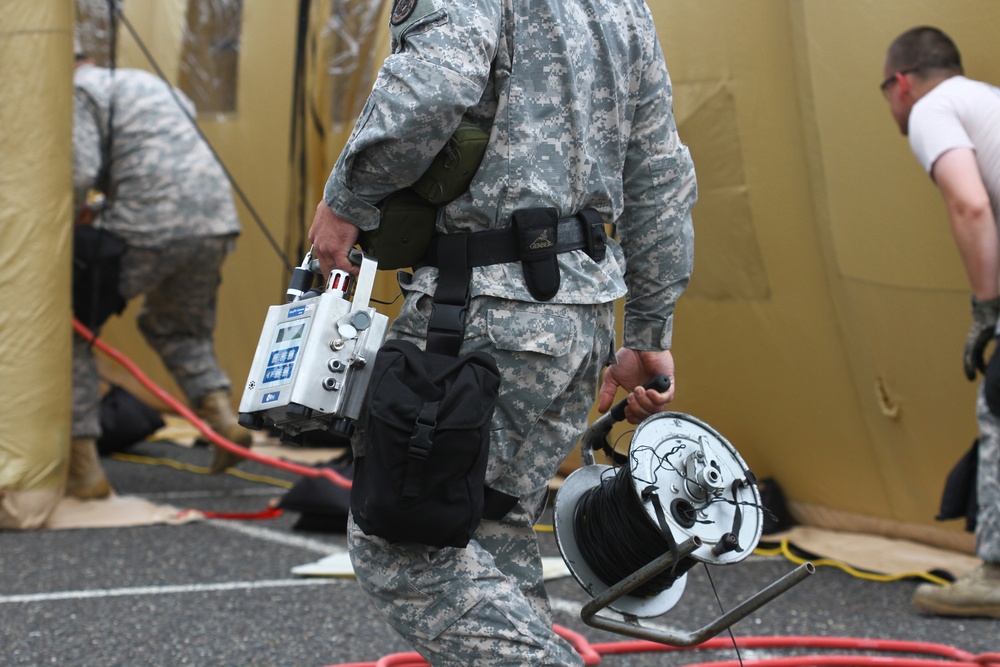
823,327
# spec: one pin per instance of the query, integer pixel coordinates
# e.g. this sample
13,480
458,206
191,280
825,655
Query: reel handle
659,383
595,437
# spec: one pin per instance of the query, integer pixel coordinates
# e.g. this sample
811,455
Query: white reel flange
685,474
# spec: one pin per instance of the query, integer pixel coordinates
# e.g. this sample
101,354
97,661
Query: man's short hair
923,49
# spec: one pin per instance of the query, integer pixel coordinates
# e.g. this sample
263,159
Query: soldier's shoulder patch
404,10
401,10
413,16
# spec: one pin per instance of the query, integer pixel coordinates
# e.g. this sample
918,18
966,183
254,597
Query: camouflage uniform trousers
486,604
179,283
988,482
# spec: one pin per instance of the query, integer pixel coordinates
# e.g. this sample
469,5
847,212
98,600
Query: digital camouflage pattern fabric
171,203
584,119
177,319
578,104
166,184
988,483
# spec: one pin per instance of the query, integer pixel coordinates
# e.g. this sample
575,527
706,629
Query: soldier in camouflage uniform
170,202
952,122
578,105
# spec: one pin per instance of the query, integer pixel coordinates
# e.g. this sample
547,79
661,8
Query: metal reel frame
617,597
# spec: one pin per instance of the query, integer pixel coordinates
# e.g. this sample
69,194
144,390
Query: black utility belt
534,233
535,238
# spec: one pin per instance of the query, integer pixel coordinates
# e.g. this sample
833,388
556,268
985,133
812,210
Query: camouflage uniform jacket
578,103
165,183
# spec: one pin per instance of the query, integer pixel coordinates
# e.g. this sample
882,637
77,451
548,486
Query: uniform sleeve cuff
648,334
344,203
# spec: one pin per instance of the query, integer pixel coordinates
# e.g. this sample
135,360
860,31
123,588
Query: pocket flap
405,378
521,331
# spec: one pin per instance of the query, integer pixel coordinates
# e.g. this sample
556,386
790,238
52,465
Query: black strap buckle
419,449
448,316
595,234
446,328
421,441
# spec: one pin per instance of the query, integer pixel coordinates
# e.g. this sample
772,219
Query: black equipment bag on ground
97,257
777,517
427,433
322,505
125,421
960,498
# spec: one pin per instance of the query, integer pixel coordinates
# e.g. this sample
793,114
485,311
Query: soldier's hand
632,369
984,320
332,238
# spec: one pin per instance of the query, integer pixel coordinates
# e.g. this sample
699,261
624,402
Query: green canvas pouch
407,225
453,168
409,215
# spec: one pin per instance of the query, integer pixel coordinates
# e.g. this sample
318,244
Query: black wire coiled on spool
616,537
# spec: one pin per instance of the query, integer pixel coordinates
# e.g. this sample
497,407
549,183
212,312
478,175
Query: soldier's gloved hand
984,320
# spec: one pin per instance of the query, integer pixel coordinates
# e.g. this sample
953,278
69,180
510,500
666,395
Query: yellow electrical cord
784,549
177,465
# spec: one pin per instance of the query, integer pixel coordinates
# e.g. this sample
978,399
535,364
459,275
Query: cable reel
704,482
629,533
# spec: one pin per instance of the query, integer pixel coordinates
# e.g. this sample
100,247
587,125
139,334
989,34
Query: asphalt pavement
221,592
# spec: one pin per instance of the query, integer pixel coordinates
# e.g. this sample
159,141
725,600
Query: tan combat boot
86,477
216,410
975,594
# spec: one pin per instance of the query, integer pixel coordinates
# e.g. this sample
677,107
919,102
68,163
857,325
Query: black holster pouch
536,230
422,478
97,257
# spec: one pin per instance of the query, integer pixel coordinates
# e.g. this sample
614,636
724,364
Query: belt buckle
594,233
